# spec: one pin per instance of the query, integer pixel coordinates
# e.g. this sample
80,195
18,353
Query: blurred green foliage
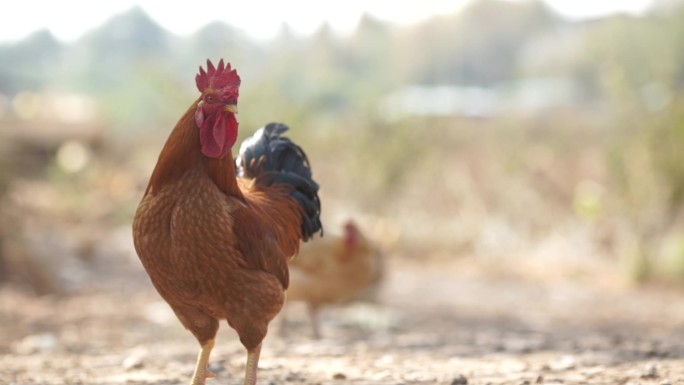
609,163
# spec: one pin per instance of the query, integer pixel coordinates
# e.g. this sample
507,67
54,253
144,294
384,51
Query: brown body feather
215,247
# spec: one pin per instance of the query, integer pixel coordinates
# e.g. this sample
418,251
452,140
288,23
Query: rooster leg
282,326
315,322
252,365
201,370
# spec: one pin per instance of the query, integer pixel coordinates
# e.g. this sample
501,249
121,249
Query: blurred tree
633,66
220,40
29,63
110,55
371,55
667,145
480,46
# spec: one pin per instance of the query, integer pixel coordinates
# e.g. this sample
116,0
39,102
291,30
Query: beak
231,108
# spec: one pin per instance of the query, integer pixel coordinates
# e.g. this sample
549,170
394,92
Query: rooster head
215,113
351,234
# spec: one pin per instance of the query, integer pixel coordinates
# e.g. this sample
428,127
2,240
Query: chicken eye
210,99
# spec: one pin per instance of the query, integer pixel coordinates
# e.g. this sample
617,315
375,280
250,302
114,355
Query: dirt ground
437,322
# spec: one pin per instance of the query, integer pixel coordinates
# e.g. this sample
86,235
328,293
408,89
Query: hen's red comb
223,79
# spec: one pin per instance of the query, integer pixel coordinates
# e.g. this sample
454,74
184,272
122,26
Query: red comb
223,79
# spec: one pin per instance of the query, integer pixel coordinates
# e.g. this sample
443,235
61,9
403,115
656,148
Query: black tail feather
270,158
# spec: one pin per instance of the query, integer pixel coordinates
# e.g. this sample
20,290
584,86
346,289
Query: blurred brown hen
216,244
335,270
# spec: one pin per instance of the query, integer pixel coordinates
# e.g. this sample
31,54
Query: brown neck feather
182,153
222,172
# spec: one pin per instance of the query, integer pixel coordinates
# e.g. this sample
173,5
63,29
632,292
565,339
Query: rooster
215,235
334,270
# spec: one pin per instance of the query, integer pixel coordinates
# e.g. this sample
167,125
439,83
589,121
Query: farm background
524,171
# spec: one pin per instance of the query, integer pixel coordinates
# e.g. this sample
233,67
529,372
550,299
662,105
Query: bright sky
69,19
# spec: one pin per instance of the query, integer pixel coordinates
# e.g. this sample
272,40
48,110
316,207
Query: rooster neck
181,154
222,173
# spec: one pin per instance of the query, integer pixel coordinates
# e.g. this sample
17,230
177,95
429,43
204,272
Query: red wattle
231,130
218,134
